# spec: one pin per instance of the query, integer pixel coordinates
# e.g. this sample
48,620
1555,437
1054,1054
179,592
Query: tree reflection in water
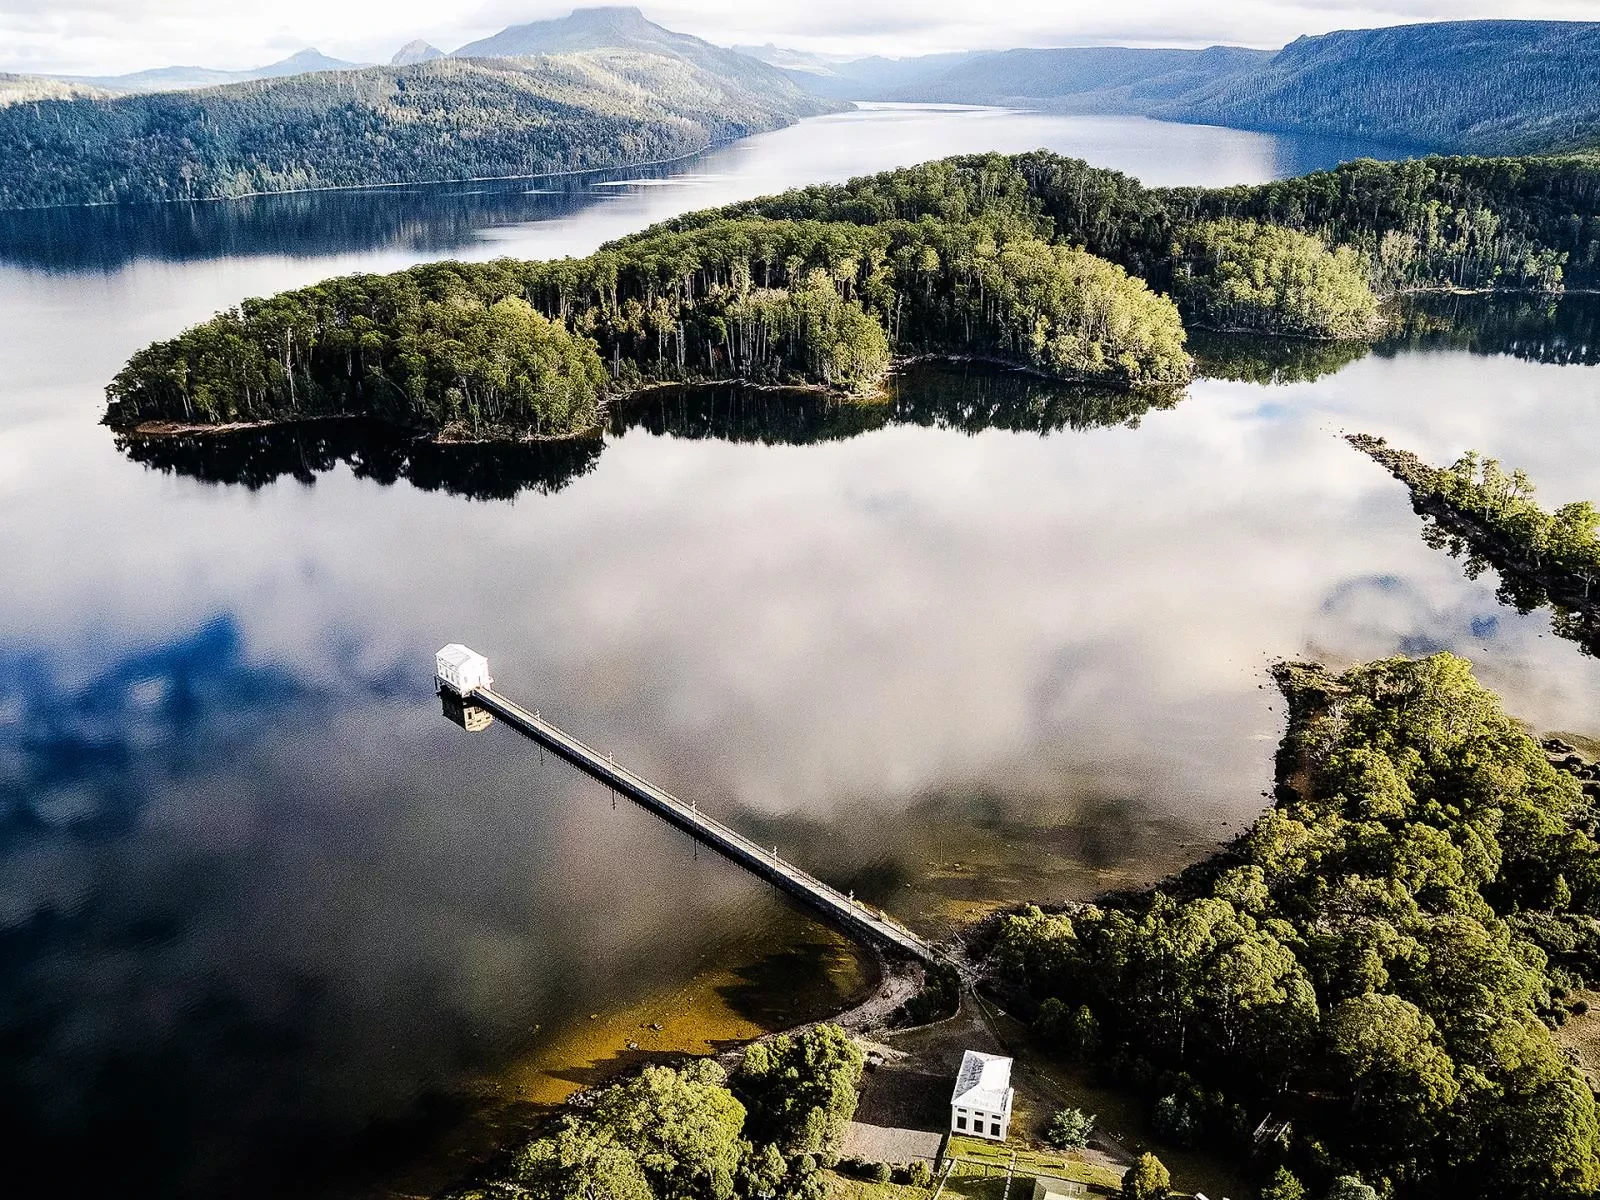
970,399
254,458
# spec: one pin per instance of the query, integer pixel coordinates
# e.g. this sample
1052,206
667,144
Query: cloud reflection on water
258,893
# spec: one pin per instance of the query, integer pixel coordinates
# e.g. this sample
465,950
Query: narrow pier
845,913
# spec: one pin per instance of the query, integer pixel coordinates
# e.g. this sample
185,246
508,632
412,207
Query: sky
113,36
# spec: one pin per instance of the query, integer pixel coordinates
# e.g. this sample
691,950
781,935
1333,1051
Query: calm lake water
269,923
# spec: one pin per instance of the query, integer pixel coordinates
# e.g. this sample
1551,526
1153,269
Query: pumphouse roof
458,655
984,1082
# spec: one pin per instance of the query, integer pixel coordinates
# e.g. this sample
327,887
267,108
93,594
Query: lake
269,924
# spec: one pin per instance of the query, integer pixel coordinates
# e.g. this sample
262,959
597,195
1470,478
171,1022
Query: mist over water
268,921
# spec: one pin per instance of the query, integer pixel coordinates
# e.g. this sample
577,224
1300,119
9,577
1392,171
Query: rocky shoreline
1547,582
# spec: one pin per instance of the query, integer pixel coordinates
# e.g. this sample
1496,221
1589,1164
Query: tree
1283,1186
1147,1179
1350,1187
1070,1129
801,1090
762,1171
581,1162
683,1126
1237,273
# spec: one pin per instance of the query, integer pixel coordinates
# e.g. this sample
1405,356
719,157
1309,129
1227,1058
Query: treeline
1364,983
1034,259
444,119
697,1133
517,348
1424,223
1566,541
25,89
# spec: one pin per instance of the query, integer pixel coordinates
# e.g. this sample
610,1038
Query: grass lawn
960,1187
844,1187
977,1157
1582,1033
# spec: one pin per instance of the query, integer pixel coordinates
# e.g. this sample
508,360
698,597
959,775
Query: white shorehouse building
981,1103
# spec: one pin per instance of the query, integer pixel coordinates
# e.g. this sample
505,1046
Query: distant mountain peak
625,28
301,62
415,52
606,27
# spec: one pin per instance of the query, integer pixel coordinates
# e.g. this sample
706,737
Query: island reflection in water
968,399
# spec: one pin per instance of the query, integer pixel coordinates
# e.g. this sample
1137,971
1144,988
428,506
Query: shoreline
1560,589
569,173
162,428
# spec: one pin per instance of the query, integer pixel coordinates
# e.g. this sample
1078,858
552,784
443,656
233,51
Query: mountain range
1492,87
602,28
605,87
619,28
169,79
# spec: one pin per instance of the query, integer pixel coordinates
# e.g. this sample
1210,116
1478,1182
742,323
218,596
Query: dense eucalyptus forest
518,348
1034,260
442,119
697,1131
1483,87
1363,986
1489,87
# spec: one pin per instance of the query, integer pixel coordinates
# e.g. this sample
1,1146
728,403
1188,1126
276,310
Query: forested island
511,349
1034,261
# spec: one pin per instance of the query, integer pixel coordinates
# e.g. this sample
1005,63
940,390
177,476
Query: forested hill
1481,87
1088,79
1033,260
1492,87
442,119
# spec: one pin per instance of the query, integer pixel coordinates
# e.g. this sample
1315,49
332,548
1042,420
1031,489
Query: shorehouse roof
984,1082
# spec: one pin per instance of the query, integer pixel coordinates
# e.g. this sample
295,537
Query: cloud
108,36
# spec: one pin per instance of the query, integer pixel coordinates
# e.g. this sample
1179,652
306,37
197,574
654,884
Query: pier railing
846,912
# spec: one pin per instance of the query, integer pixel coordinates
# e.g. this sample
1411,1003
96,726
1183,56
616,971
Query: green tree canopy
1242,274
1147,1179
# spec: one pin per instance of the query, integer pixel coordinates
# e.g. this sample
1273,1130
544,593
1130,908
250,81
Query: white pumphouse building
981,1104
